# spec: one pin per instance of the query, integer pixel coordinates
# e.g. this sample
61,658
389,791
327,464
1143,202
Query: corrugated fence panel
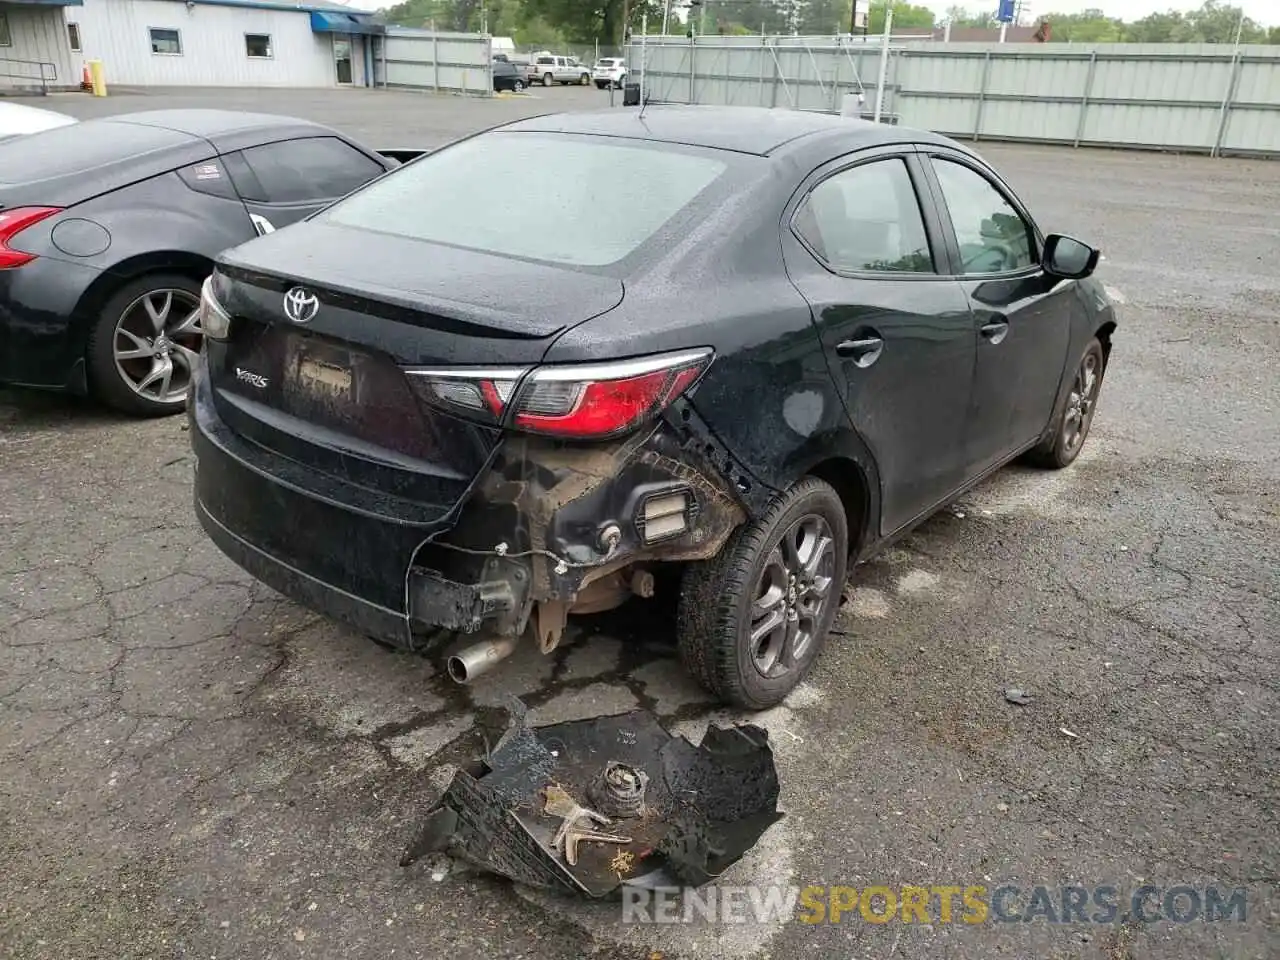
948,115
1030,78
454,62
950,74
1023,120
1161,80
1162,96
1143,125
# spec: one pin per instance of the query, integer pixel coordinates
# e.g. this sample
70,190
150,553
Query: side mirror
1068,258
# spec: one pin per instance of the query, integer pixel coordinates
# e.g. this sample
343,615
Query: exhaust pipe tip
457,669
478,659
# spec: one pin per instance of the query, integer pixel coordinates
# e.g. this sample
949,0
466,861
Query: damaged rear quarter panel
566,495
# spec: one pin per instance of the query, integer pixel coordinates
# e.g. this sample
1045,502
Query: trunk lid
332,392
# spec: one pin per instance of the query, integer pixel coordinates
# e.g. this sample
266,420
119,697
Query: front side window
992,235
305,170
257,45
867,220
580,201
166,41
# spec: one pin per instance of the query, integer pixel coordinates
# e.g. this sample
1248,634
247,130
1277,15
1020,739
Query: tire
584,79
518,86
1072,421
548,79
601,86
127,325
718,597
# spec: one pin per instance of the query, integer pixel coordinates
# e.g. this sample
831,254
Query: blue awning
326,22
45,3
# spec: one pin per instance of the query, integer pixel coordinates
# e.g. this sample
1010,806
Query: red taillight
12,223
580,402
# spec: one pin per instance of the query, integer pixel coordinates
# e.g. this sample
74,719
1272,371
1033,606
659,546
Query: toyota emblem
301,305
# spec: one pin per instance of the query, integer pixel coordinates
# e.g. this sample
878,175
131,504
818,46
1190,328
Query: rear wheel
144,346
753,619
548,79
1071,427
518,86
584,79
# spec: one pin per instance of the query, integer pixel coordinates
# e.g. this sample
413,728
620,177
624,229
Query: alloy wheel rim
156,343
791,597
1080,404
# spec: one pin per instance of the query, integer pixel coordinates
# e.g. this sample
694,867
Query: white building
242,43
35,48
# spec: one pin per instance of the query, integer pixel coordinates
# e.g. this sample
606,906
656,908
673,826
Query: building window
5,39
257,46
73,34
166,41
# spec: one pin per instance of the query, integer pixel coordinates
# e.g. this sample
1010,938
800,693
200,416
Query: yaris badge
301,305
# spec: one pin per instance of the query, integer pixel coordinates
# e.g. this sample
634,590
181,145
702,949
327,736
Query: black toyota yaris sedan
745,346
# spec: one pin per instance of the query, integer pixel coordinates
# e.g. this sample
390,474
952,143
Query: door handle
864,351
995,330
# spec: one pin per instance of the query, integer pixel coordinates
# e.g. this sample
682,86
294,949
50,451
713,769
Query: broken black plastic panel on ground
702,808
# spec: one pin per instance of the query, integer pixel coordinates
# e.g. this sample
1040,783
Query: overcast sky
1266,12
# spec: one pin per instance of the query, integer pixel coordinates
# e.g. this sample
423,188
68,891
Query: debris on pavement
588,806
1066,732
1020,697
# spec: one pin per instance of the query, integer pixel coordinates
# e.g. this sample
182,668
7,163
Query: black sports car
107,228
744,345
507,76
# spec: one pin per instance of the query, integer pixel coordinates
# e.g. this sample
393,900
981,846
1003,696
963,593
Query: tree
1089,26
904,15
1216,22
1171,27
963,17
585,21
819,17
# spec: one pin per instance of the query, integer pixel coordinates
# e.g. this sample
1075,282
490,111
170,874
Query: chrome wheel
156,343
791,596
1080,404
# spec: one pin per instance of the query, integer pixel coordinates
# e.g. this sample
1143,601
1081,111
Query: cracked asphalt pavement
192,766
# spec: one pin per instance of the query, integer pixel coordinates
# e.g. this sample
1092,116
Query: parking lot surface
192,766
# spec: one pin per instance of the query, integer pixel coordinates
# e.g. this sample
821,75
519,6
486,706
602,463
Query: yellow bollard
97,78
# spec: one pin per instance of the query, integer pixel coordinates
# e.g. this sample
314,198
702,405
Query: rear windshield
562,199
606,63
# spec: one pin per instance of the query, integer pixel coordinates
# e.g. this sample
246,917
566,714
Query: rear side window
561,199
867,220
298,171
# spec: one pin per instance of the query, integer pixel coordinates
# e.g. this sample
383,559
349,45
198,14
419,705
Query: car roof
69,164
754,130
209,124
